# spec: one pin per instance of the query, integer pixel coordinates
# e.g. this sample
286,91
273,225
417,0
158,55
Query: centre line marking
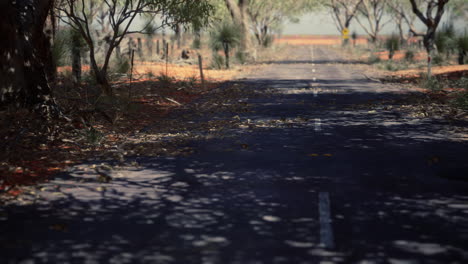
326,231
314,79
318,124
316,92
313,70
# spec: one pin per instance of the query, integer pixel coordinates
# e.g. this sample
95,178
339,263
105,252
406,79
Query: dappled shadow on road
249,194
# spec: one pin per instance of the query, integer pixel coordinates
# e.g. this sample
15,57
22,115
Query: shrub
165,80
268,41
240,57
217,61
196,43
374,59
93,136
121,65
462,47
61,48
438,59
392,44
432,83
445,39
225,37
461,100
463,83
393,66
409,56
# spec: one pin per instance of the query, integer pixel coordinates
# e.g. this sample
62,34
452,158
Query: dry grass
316,40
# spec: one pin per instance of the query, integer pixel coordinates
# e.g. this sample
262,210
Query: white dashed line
313,70
326,231
318,124
314,79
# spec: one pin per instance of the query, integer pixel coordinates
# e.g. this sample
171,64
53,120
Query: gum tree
372,12
343,12
401,12
266,15
435,9
119,16
24,53
239,13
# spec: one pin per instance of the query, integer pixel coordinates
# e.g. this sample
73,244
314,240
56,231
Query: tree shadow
252,195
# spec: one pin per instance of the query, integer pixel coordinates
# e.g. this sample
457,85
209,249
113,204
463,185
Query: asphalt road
315,175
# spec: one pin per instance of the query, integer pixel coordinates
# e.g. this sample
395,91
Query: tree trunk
76,58
240,17
140,48
149,45
24,50
157,47
428,41
461,57
100,74
177,36
226,54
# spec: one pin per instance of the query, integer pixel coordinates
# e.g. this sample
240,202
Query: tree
24,52
459,9
119,15
373,12
434,11
266,15
402,14
238,10
225,37
343,12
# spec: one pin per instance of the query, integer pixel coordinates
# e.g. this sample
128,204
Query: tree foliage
115,17
269,15
343,11
372,12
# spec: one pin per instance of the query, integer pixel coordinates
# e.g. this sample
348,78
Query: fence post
200,65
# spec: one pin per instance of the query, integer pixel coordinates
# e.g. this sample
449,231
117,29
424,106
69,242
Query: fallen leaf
59,227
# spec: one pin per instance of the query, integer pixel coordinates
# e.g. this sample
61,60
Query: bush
392,44
445,39
374,59
393,66
409,56
121,65
463,83
438,59
432,83
165,80
225,37
217,62
461,100
93,136
61,48
462,47
196,43
241,58
268,41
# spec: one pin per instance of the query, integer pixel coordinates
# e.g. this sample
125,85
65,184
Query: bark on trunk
24,51
240,17
226,54
140,48
76,58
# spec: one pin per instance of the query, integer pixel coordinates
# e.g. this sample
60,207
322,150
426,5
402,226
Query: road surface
321,170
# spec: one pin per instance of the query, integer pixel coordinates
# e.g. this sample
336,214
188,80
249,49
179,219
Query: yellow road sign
345,31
